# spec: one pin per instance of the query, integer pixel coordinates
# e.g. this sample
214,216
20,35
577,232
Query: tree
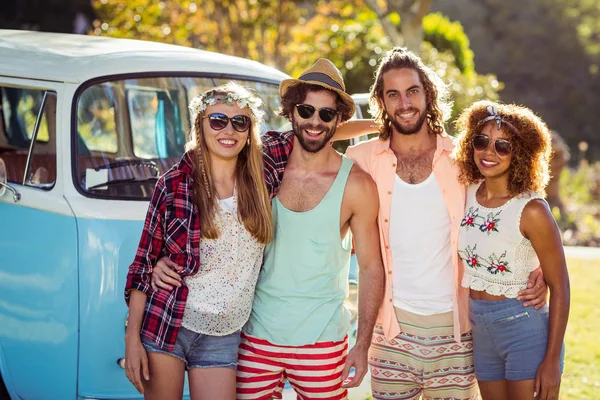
255,29
409,12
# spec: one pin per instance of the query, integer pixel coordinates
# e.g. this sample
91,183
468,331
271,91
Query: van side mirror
4,186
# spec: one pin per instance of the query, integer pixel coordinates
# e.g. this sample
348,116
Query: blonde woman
211,214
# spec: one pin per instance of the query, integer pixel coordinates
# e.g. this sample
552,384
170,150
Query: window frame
41,114
142,75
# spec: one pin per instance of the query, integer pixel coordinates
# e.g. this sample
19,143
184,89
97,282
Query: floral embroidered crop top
496,256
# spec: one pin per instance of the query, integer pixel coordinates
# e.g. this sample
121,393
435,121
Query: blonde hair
254,204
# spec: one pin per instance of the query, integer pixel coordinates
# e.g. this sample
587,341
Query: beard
313,146
408,129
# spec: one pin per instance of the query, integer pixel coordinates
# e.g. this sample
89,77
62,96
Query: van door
38,248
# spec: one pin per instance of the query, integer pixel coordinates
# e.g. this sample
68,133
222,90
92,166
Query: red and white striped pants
314,371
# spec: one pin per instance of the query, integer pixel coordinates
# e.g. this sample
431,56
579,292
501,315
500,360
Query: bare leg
521,390
494,390
212,383
167,375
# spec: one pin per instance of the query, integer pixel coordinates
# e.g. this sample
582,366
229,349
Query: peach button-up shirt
376,158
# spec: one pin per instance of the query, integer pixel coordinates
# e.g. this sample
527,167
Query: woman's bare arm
538,225
136,359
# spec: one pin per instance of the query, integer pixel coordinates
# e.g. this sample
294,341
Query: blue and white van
86,126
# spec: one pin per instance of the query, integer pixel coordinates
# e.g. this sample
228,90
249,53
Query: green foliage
350,36
580,191
465,88
581,378
255,29
444,34
585,16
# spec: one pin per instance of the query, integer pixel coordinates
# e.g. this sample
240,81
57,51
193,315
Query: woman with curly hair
508,231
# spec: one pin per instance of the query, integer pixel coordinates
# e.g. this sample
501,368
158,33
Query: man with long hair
422,343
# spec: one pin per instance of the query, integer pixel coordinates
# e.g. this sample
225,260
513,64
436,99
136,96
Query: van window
157,122
96,122
19,113
131,131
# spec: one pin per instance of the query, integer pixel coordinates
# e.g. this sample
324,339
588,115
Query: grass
581,378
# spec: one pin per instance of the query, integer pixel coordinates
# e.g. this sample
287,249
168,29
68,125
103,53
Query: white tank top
420,247
496,256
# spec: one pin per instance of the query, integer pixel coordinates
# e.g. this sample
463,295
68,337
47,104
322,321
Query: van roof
76,58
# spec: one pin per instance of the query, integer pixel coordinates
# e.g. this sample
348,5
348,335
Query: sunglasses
326,114
218,121
502,146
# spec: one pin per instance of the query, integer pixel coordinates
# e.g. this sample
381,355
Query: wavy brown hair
254,204
530,141
437,95
297,94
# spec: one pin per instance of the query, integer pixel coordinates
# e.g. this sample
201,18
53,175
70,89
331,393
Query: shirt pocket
318,260
176,237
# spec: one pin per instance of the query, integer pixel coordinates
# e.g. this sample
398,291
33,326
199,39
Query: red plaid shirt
172,229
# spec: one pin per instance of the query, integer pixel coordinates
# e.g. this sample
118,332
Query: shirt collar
445,142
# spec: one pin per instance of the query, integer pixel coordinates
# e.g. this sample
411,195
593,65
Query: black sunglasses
218,121
326,114
481,142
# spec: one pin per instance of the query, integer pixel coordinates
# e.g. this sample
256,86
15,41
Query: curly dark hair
530,140
437,95
297,94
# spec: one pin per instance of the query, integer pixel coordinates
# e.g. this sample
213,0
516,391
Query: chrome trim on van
16,195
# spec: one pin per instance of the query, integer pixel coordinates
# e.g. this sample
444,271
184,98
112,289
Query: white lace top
221,293
496,256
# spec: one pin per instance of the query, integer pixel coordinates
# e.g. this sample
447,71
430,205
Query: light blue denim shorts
201,351
509,340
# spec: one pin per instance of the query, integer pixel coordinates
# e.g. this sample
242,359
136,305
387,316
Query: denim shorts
509,340
201,351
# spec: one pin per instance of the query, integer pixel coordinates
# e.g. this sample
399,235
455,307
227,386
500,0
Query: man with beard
298,326
422,343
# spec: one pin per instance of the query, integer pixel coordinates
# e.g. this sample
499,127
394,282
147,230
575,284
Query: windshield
130,131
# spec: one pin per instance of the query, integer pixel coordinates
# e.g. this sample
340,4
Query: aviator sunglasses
326,114
218,121
502,146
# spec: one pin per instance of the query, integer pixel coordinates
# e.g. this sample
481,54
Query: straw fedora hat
322,73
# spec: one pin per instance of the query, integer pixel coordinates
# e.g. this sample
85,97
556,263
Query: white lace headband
201,102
